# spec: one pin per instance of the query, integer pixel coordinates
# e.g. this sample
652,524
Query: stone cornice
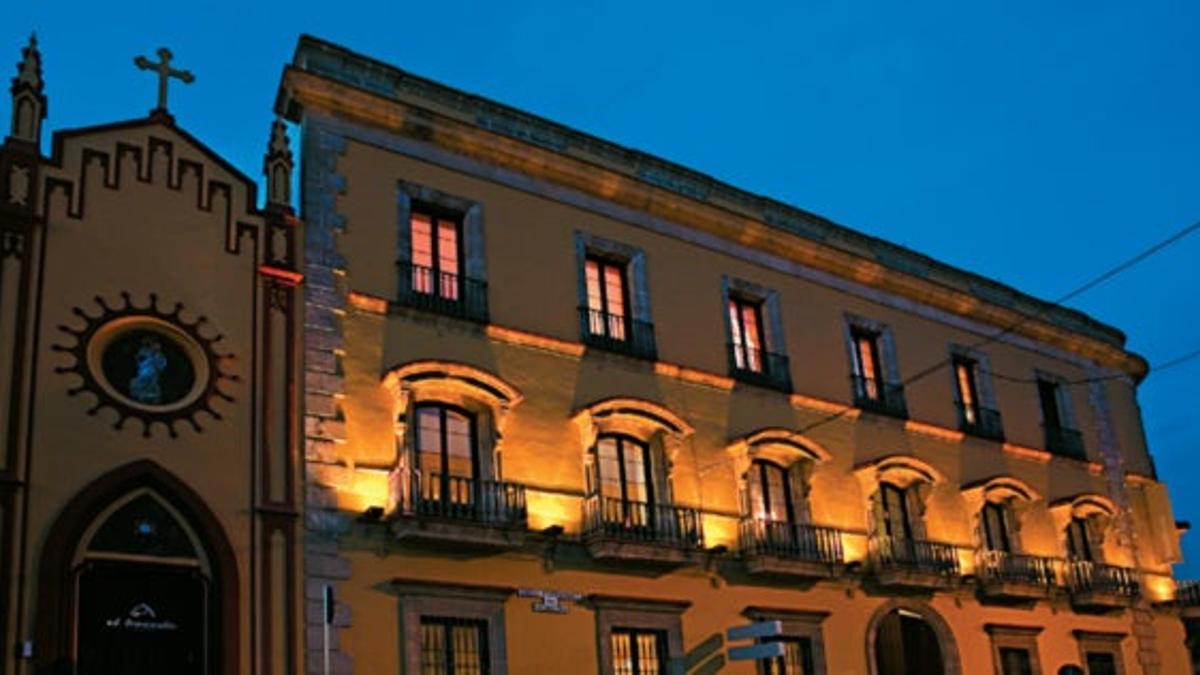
330,79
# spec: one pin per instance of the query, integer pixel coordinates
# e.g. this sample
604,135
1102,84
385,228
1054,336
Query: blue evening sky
1038,143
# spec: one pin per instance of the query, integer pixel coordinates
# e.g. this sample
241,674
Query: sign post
328,602
754,631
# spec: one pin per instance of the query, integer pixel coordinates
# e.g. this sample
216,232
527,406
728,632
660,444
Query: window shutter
878,515
403,231
472,245
797,475
916,511
1012,526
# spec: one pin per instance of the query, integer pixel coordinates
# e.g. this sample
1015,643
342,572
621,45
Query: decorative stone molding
1007,636
662,615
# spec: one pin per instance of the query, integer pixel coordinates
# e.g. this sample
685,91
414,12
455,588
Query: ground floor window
452,629
1014,648
1101,663
638,652
801,637
797,658
453,646
1014,661
638,637
1101,652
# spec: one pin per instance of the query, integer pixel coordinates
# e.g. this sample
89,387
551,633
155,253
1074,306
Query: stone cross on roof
165,72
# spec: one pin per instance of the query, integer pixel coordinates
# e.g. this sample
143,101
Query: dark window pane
1101,663
1015,661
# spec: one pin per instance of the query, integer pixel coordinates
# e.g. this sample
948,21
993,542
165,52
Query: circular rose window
147,363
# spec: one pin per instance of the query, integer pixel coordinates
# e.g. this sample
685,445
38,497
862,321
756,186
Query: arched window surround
660,429
795,454
1097,513
482,395
913,476
1011,494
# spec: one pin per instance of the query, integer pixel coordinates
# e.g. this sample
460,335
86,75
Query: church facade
149,488
509,398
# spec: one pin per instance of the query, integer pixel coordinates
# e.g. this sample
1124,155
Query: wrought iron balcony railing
617,333
915,555
1085,576
442,292
758,367
1187,593
979,421
875,395
640,521
442,496
799,541
1014,568
1064,442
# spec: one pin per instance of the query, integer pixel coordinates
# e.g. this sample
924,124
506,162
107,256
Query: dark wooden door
138,618
907,645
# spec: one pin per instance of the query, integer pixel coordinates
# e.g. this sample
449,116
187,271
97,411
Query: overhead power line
1088,285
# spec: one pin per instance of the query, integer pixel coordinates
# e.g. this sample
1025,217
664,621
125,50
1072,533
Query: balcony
1011,576
1187,599
456,510
1098,586
913,563
442,293
980,422
618,529
616,333
760,368
1064,442
874,395
789,549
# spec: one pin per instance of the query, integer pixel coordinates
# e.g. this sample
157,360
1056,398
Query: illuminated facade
572,408
513,399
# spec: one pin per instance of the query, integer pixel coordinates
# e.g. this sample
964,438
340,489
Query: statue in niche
145,387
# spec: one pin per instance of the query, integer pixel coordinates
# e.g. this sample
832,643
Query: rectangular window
994,529
968,392
1078,546
895,512
797,657
1048,394
607,298
436,253
866,363
745,325
1101,663
638,651
1015,661
453,646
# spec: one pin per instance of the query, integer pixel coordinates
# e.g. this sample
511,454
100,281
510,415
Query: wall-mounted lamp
372,514
552,534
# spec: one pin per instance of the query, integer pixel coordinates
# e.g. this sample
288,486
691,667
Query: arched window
770,492
624,476
447,459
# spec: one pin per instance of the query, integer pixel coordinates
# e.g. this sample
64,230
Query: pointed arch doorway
137,576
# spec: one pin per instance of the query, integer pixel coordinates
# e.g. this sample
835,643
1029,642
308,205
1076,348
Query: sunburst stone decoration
147,364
